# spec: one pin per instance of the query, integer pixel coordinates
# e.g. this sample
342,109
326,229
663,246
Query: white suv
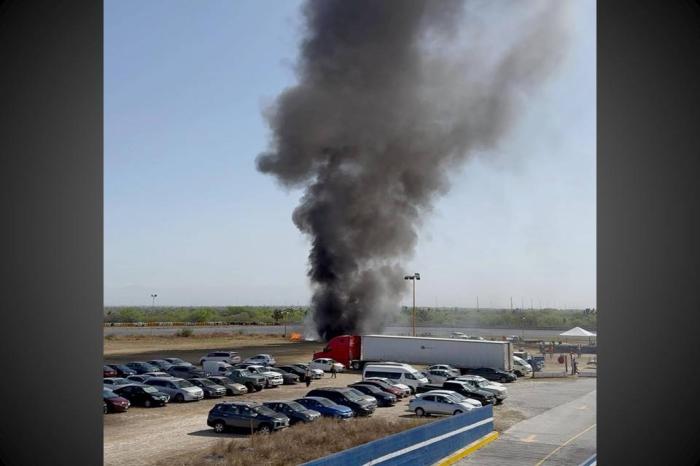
229,357
178,389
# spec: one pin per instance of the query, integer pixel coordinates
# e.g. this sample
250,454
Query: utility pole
477,304
413,278
511,304
153,299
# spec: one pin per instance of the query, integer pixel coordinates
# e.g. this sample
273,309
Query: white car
261,359
272,379
229,357
178,389
325,364
437,375
438,403
521,367
445,367
457,396
315,373
476,381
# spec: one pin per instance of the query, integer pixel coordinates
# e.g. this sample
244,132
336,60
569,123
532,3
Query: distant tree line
517,318
228,314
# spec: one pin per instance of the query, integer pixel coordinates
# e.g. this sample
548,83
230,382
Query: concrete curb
468,450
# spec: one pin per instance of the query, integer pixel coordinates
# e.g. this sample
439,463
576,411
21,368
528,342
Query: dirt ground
149,436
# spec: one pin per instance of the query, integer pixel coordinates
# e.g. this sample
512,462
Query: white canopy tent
578,332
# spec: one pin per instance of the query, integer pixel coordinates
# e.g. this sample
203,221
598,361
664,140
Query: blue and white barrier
421,445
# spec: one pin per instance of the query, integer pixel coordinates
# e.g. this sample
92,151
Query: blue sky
188,217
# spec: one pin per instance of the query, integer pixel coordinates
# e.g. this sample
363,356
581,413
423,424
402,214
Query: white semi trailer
357,350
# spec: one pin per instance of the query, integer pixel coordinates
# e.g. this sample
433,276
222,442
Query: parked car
436,403
210,389
122,370
254,382
108,372
287,377
141,367
360,405
178,389
232,388
498,390
315,373
139,378
326,364
294,411
298,371
161,364
177,362
326,407
398,373
272,379
445,367
457,396
463,388
247,416
114,402
229,357
496,375
383,398
520,367
156,374
386,386
115,381
438,375
261,359
405,389
185,372
216,367
142,395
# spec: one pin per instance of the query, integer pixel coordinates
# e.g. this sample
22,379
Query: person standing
334,371
307,377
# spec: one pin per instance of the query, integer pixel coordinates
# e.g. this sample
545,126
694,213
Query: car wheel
503,379
250,387
147,403
264,429
420,412
179,398
412,390
457,411
219,427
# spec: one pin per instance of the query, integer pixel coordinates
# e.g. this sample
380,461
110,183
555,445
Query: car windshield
182,384
207,383
295,406
325,402
264,410
149,389
351,395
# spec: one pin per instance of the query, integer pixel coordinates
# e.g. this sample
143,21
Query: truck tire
250,387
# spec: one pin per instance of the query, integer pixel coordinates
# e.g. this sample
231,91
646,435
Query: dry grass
300,443
129,344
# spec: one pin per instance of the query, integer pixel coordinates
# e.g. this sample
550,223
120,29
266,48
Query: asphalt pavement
563,436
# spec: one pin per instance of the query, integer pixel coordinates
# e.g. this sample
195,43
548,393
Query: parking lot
144,436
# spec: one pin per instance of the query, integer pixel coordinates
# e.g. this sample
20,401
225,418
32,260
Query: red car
113,402
108,372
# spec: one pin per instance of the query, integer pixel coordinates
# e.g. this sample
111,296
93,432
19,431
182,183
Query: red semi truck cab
343,348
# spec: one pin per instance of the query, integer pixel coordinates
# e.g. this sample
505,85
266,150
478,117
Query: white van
397,373
521,367
216,367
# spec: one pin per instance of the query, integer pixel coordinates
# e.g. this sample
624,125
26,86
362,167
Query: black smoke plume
392,96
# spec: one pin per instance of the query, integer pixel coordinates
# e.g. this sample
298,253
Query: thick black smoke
392,95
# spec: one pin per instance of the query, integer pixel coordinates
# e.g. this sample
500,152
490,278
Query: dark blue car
326,407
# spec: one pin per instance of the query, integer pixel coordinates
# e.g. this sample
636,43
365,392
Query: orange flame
295,336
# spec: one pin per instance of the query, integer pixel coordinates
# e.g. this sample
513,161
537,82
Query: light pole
413,278
153,299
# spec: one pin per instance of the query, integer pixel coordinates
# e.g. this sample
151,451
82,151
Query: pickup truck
463,389
253,382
